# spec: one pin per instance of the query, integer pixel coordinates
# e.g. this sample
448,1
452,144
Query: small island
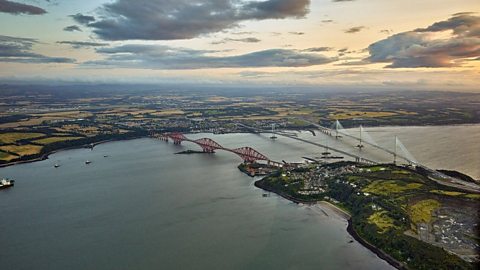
395,211
189,152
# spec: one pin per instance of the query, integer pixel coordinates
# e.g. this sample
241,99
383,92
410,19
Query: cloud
420,48
386,31
462,25
19,8
165,57
82,44
245,40
354,63
72,28
318,49
15,49
185,19
297,33
82,19
353,30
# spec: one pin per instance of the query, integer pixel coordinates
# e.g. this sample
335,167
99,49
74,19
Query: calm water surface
143,207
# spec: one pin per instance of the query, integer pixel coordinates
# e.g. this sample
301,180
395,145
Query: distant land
399,212
36,120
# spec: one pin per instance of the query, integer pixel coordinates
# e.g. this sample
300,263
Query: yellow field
290,111
38,119
389,187
64,115
449,193
8,138
77,128
30,122
56,139
217,99
421,212
6,156
381,220
168,113
22,150
473,196
359,114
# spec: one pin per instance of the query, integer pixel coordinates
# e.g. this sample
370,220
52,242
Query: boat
88,162
56,165
6,183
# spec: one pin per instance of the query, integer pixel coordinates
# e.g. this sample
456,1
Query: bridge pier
207,149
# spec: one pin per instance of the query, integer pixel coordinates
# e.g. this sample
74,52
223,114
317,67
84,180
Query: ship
6,183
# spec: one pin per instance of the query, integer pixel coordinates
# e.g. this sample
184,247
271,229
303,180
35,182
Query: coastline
380,253
350,228
46,155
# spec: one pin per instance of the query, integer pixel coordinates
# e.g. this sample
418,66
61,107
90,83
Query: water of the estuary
143,207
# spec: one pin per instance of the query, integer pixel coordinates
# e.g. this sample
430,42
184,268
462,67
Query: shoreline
380,253
48,154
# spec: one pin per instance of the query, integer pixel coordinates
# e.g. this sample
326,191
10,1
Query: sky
427,44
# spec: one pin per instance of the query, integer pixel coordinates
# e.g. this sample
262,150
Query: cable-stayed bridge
248,154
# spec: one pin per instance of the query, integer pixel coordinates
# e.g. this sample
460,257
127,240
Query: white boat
6,183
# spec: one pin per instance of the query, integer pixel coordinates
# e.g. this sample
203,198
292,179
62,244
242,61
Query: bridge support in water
247,154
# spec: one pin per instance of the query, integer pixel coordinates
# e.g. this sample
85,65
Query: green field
421,212
56,139
389,187
13,137
381,220
6,156
22,150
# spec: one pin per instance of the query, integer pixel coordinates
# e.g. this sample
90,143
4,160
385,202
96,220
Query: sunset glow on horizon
432,45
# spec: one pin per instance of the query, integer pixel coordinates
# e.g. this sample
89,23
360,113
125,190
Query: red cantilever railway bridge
208,145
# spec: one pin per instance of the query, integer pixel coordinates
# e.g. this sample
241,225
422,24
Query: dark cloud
164,57
82,44
297,33
245,40
14,49
464,13
19,8
318,49
386,31
82,19
462,25
419,49
72,28
273,9
353,30
185,19
243,33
